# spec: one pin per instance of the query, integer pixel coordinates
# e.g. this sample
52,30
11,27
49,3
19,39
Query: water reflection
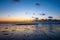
29,32
50,27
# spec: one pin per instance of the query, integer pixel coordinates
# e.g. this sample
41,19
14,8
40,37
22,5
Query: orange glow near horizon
15,19
22,19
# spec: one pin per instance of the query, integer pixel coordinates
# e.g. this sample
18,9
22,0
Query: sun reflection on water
29,31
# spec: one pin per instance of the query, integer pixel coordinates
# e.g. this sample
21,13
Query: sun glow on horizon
21,19
16,19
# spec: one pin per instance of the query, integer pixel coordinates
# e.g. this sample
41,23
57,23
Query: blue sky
26,8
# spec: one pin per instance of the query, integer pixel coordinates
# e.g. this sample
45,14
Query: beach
30,32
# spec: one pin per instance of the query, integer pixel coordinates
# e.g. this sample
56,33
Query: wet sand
29,32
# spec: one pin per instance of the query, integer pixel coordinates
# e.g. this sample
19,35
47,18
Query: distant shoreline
34,22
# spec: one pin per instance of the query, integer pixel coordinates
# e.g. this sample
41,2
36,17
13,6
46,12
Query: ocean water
30,32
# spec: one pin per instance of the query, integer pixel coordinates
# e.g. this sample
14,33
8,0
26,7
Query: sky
26,9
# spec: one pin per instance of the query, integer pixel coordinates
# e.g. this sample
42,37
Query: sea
29,32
